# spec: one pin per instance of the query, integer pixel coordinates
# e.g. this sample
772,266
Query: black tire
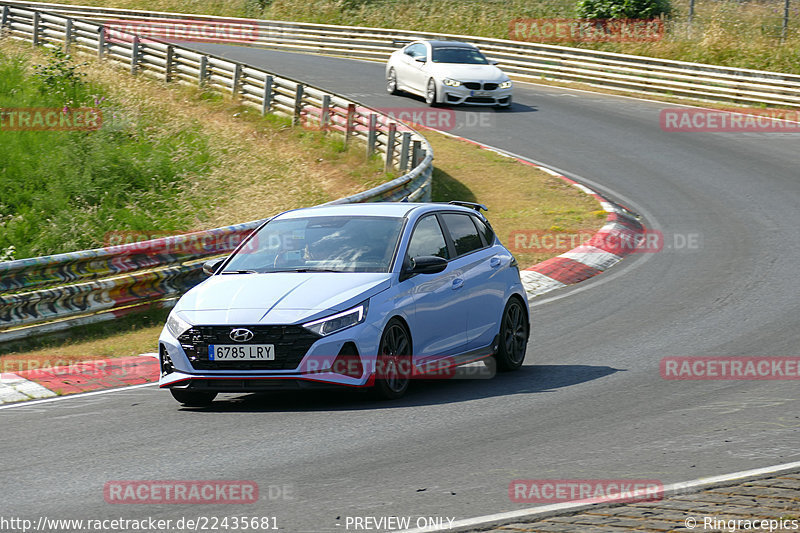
513,337
430,93
193,398
391,82
394,362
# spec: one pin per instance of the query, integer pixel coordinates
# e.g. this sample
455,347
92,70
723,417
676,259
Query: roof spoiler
473,205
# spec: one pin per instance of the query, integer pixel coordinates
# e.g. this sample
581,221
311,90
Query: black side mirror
211,266
427,264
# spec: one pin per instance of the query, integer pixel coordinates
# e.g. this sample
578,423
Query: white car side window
416,50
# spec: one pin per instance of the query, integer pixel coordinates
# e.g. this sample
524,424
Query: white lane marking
669,490
536,284
608,207
592,256
34,390
73,396
15,388
556,174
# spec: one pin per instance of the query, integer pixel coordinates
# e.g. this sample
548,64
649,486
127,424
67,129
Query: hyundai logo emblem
241,335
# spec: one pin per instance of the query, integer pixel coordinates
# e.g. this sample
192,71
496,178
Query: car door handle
494,262
458,283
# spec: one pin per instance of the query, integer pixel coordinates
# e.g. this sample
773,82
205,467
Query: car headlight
176,325
339,321
451,83
505,85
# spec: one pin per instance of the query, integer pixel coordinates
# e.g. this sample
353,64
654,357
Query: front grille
490,86
480,100
475,86
291,344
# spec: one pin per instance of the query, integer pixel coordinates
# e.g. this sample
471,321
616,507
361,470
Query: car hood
468,72
277,298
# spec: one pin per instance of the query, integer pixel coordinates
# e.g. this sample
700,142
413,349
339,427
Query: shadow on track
527,380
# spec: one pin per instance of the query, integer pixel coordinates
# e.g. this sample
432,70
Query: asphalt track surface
588,404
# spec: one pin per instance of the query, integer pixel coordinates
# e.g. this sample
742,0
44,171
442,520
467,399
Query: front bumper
462,95
339,359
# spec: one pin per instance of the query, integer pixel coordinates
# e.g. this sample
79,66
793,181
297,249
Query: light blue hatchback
361,295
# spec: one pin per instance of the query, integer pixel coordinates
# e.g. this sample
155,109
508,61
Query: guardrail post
325,115
135,54
390,146
4,20
372,134
37,18
404,148
415,153
237,77
785,25
266,102
168,64
67,34
101,41
351,117
298,104
201,78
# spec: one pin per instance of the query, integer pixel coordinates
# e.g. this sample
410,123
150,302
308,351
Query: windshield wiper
238,271
304,270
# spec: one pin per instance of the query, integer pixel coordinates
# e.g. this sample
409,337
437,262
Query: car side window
463,232
416,50
485,230
428,239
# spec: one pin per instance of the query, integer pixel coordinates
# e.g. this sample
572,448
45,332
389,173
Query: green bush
623,9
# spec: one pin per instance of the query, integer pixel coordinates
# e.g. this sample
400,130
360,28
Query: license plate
241,352
481,93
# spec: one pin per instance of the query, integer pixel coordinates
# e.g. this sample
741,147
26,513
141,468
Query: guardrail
523,60
59,291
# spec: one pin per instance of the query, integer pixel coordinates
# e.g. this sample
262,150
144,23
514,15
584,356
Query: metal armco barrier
55,292
523,60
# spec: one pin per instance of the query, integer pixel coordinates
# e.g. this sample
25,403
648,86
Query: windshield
459,55
320,244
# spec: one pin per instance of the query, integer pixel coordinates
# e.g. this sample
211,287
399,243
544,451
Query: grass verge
167,158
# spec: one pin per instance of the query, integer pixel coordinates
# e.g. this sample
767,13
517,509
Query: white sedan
447,72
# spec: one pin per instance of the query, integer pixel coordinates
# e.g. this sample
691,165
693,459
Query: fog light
166,362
